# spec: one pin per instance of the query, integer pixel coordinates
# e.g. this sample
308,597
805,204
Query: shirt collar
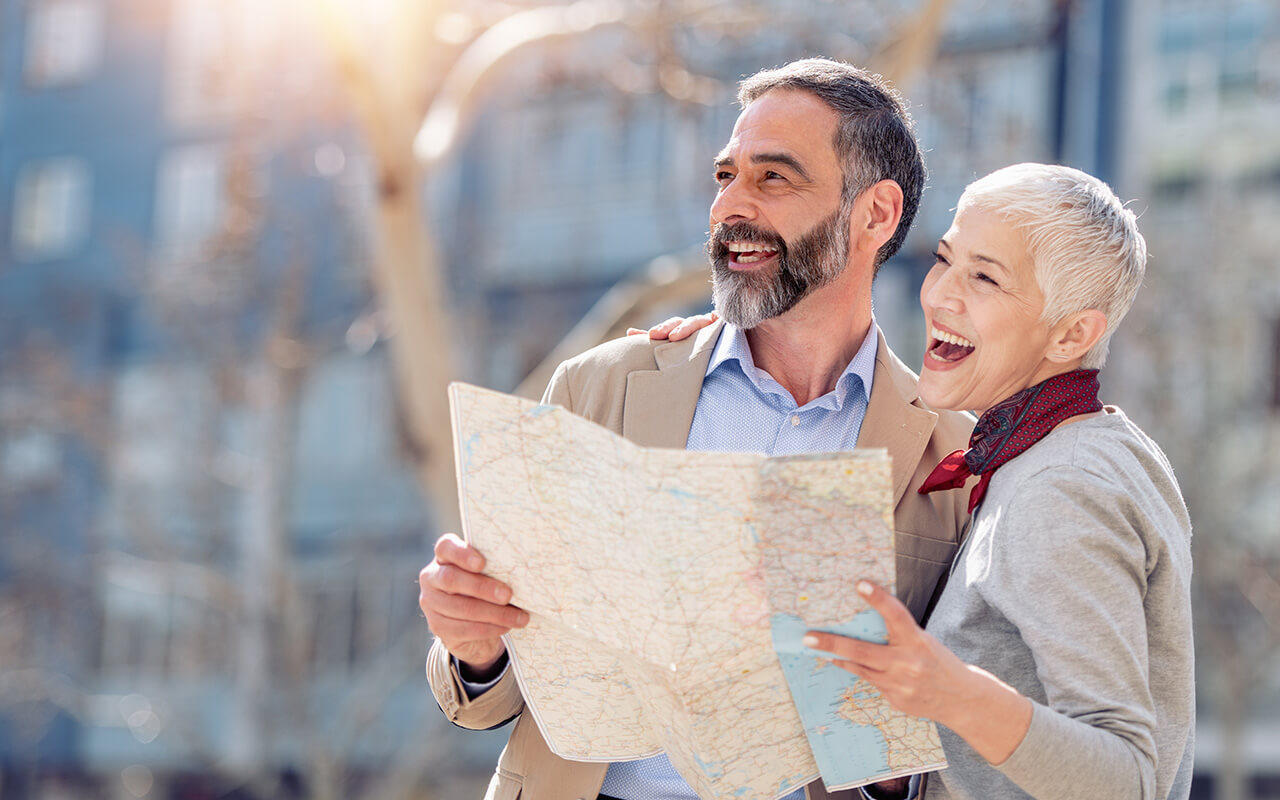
732,347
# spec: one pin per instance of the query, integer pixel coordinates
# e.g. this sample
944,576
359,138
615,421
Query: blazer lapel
659,404
657,410
892,422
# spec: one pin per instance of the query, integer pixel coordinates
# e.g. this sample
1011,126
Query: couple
1057,654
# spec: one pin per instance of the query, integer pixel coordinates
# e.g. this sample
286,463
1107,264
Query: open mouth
746,253
948,347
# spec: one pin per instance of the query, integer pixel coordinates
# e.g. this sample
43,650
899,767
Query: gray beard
744,299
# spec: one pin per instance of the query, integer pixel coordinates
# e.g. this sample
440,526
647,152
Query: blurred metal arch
672,281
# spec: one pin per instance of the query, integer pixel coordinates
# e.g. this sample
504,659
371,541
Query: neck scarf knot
1008,428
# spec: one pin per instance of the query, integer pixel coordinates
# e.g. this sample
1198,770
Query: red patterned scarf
1011,426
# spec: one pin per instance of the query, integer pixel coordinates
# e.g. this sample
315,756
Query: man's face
777,175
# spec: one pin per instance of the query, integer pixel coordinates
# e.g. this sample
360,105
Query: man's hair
875,137
1086,247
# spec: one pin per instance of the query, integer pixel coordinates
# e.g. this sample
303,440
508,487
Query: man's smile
744,255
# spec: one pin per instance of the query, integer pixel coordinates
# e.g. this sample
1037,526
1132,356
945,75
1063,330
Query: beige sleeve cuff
488,710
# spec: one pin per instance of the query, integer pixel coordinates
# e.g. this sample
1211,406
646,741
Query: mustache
724,232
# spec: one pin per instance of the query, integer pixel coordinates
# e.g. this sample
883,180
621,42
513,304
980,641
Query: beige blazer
647,391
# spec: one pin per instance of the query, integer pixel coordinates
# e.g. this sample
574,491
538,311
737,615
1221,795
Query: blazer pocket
924,548
922,565
504,786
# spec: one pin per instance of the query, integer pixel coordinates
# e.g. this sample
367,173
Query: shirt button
795,420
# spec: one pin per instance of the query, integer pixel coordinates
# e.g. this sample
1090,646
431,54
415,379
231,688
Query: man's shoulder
597,383
625,354
617,358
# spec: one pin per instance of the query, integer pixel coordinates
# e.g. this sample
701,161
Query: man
796,365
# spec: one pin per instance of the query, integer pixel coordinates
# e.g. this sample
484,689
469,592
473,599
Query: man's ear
1076,335
876,215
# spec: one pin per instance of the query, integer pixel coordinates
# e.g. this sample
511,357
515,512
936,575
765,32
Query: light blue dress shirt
743,409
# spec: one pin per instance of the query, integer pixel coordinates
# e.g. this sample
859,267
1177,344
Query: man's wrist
482,674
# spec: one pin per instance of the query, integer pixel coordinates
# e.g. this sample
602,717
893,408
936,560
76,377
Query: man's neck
807,349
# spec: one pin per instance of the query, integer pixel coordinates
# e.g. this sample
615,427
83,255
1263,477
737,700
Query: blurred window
163,619
64,41
219,54
1176,94
1275,365
51,208
1177,186
1238,87
1179,34
32,459
332,599
189,198
199,68
136,601
1240,49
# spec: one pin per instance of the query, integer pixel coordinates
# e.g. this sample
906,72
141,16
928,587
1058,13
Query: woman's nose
940,289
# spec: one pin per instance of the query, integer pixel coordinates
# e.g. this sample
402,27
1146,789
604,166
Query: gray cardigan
1074,588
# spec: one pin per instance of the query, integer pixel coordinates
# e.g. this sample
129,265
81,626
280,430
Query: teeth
949,337
748,247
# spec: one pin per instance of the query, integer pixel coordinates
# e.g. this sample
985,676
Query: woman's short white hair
1085,244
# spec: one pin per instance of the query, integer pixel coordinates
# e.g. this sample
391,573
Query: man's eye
771,175
723,175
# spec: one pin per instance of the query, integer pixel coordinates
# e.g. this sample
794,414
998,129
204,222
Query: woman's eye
985,278
938,258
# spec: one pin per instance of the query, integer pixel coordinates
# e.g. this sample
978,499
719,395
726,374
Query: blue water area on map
716,770
468,452
846,753
712,769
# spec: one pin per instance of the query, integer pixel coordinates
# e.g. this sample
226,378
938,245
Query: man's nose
733,204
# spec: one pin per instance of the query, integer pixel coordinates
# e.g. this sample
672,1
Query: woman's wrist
992,716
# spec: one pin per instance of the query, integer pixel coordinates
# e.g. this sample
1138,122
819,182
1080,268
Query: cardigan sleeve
1070,571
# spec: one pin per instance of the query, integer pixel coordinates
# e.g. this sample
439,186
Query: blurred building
197,430
1199,359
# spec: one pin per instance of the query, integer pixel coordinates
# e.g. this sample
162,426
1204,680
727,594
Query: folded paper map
668,591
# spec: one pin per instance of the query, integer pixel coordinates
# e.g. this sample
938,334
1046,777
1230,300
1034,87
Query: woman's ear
1076,335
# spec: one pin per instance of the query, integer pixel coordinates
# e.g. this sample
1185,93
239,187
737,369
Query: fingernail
810,640
503,594
864,588
524,619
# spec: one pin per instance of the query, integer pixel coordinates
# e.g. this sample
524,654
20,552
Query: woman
1058,659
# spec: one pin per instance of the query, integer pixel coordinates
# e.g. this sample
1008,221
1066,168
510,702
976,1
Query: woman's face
982,314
